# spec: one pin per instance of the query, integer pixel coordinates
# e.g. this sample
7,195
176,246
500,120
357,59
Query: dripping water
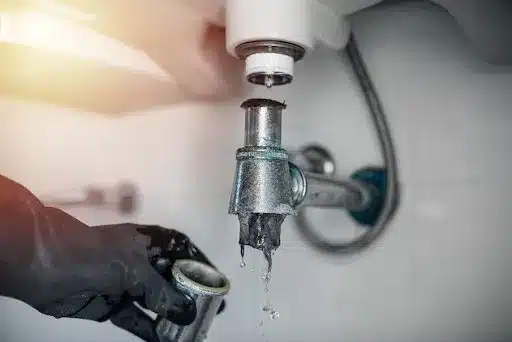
242,253
265,277
269,82
274,314
267,273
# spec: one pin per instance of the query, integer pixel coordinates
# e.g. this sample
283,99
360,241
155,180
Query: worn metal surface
262,182
268,187
207,287
262,190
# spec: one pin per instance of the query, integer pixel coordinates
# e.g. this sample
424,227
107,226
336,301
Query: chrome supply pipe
207,287
320,191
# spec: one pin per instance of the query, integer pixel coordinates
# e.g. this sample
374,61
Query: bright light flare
59,33
65,11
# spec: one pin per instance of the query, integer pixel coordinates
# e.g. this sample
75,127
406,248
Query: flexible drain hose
389,159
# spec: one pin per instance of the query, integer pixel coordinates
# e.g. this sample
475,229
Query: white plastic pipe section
301,22
486,22
269,20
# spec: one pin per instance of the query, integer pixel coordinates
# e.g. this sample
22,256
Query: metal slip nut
260,102
270,46
206,287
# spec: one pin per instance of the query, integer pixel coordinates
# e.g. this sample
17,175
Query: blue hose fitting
377,178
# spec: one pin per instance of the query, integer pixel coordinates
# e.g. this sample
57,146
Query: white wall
441,273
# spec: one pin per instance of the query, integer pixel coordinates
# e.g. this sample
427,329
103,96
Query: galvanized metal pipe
327,192
263,126
207,287
262,194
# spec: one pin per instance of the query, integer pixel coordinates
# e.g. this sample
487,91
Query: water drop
273,313
269,82
260,323
242,253
265,277
268,257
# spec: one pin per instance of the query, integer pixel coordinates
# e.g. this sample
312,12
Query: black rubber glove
64,268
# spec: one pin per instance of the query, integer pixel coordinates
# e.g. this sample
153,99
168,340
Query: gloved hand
64,268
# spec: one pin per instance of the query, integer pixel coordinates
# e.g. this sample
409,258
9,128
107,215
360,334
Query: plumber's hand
64,268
